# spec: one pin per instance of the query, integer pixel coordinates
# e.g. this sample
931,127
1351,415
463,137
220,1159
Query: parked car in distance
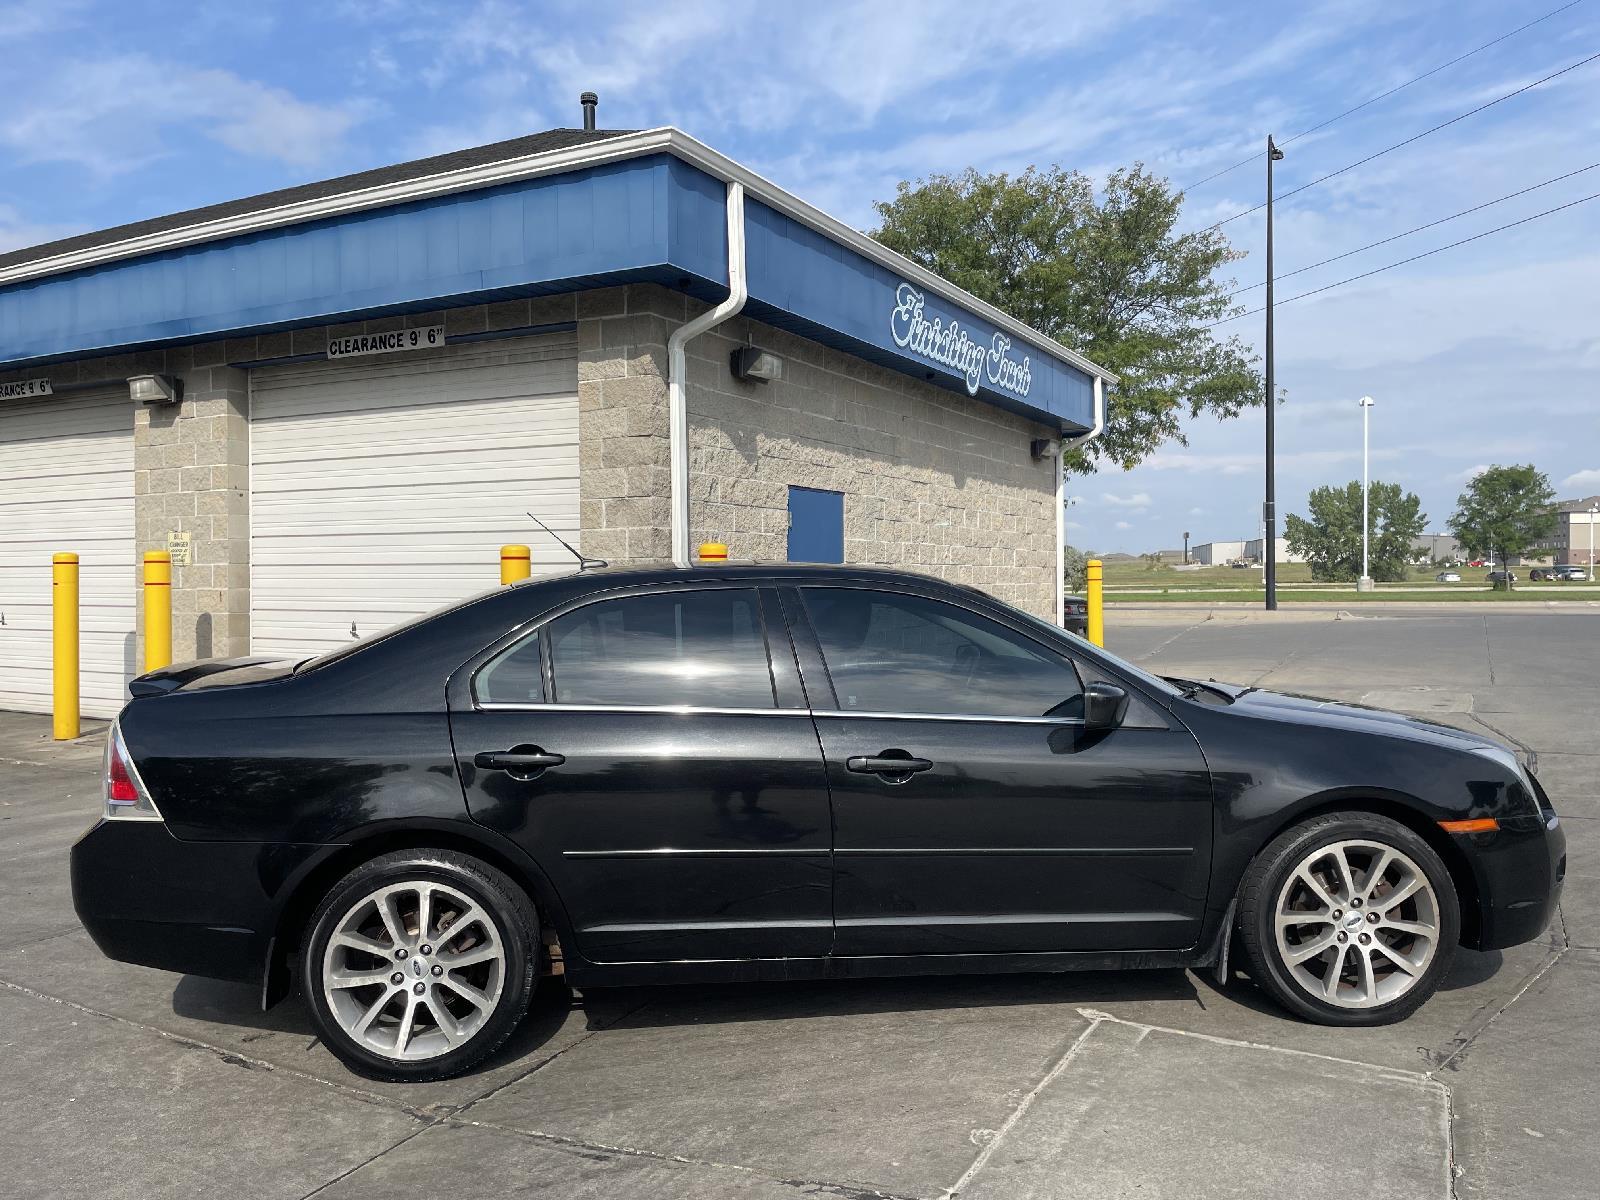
1075,615
663,774
1571,572
1542,574
1447,577
1500,577
1477,562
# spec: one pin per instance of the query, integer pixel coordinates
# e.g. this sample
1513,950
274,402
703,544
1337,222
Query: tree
1503,512
1107,277
1331,539
1075,569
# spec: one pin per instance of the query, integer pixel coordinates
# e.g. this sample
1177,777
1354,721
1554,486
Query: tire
1390,959
477,964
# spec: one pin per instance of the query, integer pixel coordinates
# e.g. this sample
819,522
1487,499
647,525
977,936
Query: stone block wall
933,480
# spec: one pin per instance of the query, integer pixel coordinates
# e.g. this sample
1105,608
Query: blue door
816,525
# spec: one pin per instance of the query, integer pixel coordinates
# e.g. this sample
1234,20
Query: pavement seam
851,1191
1469,1039
231,1057
1095,1019
1240,1044
49,937
546,1061
323,1186
1154,650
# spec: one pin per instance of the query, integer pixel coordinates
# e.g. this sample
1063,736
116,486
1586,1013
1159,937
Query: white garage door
66,484
383,490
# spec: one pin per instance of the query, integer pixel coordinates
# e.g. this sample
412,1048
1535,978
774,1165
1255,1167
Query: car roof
666,572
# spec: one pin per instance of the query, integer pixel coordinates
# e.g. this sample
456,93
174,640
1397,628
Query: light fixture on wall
1043,448
155,389
749,363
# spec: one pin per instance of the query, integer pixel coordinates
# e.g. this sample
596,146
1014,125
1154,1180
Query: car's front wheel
1349,919
419,964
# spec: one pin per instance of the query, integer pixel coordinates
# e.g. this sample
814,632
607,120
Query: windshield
1154,682
351,647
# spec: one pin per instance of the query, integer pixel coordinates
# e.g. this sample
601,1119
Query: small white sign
22,389
180,544
428,338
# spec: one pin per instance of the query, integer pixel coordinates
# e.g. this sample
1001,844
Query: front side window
889,652
703,648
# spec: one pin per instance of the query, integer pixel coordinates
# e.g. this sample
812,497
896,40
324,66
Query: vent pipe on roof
589,101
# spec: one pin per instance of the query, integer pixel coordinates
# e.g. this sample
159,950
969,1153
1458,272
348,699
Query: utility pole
1364,584
1269,510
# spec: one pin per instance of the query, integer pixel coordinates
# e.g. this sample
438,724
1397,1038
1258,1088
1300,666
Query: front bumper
1519,883
200,908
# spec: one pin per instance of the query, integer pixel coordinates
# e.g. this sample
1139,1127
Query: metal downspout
677,403
1061,496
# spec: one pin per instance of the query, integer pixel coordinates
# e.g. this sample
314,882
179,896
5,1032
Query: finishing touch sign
947,343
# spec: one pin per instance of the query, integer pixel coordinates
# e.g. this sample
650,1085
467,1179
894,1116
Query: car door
662,769
973,812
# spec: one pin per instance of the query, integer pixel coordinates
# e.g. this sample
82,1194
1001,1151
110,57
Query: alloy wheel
413,970
1357,923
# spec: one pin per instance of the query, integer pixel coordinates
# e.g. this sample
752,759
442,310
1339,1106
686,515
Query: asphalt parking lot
117,1081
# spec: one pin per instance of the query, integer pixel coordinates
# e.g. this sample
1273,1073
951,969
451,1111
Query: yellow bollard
64,628
157,610
516,562
713,552
1096,598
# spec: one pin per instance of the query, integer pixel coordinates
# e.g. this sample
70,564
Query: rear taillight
125,796
119,782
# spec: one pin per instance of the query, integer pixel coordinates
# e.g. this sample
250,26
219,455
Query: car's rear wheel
420,964
1349,919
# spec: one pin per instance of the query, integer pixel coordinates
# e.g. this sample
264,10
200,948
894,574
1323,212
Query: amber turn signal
1475,825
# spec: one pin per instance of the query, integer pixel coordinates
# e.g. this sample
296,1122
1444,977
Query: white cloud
1138,500
1197,512
112,114
1472,472
1123,525
1583,481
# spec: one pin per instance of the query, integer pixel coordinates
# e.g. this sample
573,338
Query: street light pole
1269,513
1594,511
1364,584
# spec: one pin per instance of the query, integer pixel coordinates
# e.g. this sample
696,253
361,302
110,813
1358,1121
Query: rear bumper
200,908
1520,882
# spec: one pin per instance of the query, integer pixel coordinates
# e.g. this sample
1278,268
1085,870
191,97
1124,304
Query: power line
1413,138
1396,237
1385,95
1414,258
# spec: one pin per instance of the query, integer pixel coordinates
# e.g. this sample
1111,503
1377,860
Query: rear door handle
520,762
889,764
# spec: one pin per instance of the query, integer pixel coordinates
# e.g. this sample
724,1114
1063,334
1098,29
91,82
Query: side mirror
1104,705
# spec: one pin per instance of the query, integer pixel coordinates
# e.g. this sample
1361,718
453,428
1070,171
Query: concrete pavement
119,1081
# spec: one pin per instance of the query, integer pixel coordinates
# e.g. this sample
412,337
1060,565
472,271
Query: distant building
1577,528
1216,554
1439,547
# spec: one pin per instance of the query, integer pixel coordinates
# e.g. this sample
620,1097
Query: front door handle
520,762
893,766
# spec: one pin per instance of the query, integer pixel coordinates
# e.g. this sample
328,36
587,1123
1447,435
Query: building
1437,547
360,386
1577,528
1216,554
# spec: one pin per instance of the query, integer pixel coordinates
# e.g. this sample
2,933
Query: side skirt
581,973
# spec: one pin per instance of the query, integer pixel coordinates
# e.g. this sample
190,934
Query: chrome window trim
686,710
905,716
690,710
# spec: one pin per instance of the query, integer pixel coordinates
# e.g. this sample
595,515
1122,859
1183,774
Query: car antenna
584,564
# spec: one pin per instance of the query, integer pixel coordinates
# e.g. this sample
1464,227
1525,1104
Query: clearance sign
354,346
23,389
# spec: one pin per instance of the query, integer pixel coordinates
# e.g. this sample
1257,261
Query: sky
1488,353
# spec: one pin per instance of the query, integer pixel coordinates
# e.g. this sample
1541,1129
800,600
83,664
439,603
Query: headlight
1513,764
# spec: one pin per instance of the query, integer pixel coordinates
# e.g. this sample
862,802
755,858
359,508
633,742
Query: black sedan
744,772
